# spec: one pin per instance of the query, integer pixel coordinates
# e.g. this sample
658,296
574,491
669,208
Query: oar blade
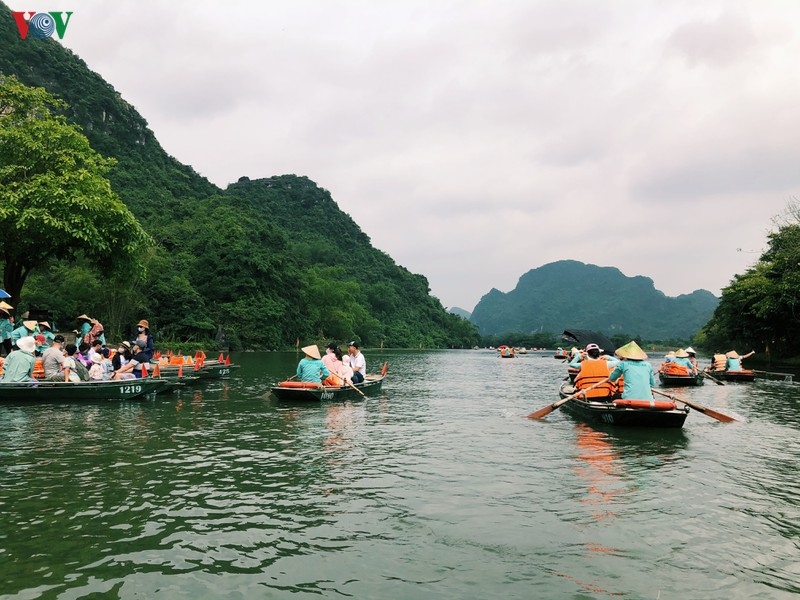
542,412
712,413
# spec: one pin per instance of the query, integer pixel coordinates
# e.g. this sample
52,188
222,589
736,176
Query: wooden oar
711,413
714,379
543,412
350,383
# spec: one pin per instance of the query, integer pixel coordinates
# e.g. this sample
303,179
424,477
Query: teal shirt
733,364
311,369
21,332
6,327
18,366
639,379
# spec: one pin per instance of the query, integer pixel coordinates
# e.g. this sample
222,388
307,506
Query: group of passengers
333,369
88,359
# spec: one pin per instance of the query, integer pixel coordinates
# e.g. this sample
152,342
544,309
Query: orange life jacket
672,368
591,372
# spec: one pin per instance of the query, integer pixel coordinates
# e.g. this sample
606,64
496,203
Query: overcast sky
476,140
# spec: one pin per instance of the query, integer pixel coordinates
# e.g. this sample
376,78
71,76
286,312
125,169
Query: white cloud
475,140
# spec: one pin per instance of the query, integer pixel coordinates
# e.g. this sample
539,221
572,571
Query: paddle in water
717,381
543,412
707,411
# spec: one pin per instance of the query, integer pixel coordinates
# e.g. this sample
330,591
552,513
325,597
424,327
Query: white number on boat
130,389
608,418
224,372
326,396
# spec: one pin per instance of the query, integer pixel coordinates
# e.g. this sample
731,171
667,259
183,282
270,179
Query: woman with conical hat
311,368
638,373
734,360
84,327
682,359
28,328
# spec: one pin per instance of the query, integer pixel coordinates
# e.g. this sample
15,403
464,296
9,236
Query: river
438,487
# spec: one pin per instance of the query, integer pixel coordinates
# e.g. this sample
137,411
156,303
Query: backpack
81,370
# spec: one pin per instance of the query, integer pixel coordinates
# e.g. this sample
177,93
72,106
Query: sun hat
6,305
690,350
83,317
97,358
732,354
26,344
126,344
681,354
592,347
143,323
29,324
45,324
631,351
311,351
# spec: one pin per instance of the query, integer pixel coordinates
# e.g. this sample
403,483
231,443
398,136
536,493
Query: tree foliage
760,308
55,201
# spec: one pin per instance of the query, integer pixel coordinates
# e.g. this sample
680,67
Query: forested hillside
571,294
255,266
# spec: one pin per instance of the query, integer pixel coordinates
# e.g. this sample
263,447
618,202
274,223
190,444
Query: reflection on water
437,488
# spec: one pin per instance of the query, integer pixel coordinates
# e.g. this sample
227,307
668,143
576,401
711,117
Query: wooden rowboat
745,375
83,391
624,413
681,380
291,391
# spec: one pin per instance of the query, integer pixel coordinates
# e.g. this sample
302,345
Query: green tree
55,201
760,309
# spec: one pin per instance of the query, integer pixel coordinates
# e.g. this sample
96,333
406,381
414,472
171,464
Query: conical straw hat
732,354
6,305
681,354
312,351
30,324
631,351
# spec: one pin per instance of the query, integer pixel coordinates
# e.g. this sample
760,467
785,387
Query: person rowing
638,373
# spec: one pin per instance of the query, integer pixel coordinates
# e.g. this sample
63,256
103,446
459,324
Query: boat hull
610,414
84,391
745,375
372,385
681,380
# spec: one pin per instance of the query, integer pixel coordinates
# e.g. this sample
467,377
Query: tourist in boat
95,348
594,367
84,327
311,369
133,368
734,360
18,366
96,370
357,362
41,344
75,363
639,378
107,364
682,360
143,334
718,361
346,371
122,357
692,358
333,360
53,360
27,329
6,327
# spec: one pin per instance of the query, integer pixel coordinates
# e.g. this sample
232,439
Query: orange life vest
591,372
672,368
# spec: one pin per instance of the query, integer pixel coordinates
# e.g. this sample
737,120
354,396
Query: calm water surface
437,488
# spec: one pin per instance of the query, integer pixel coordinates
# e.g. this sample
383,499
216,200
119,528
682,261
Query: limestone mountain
569,293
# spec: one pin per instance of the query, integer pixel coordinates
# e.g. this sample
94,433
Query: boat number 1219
130,389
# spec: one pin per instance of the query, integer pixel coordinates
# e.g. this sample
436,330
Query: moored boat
671,380
624,412
83,391
304,392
